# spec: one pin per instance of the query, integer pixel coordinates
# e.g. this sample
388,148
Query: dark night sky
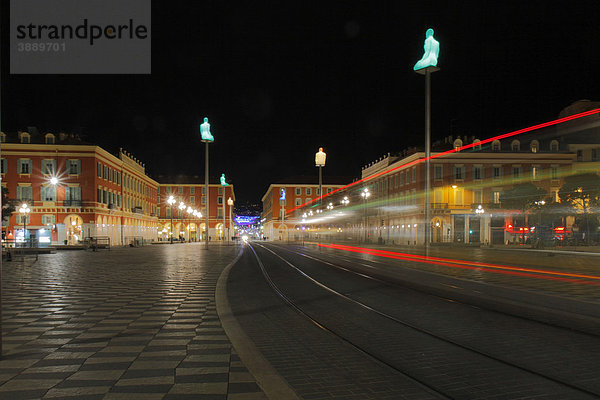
277,80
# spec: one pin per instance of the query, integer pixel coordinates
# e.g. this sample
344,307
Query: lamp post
181,210
365,195
230,204
171,201
54,182
189,210
24,210
207,138
320,162
426,66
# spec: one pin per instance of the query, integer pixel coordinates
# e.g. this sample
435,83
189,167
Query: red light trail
467,146
474,265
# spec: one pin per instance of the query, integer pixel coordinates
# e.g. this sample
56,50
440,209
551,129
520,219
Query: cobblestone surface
130,323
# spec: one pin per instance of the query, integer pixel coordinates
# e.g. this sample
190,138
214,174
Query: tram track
424,383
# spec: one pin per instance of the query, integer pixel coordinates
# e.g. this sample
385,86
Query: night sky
279,79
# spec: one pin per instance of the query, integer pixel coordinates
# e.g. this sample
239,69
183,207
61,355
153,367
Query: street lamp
207,138
230,204
171,201
24,210
345,201
320,162
365,195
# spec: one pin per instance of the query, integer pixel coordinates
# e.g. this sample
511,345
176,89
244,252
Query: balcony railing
439,206
72,203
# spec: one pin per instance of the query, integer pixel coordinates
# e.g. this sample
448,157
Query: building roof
314,180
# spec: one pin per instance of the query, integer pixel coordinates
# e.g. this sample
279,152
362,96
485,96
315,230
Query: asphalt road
451,328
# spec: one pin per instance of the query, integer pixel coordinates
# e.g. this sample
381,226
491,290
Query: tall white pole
427,155
207,194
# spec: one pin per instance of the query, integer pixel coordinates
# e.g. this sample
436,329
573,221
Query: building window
25,138
554,146
497,172
515,146
49,167
579,155
309,191
516,172
329,190
192,190
73,193
535,172
24,166
48,219
437,172
220,190
477,196
535,145
477,144
496,197
459,172
407,177
203,199
4,166
307,200
20,219
554,172
298,192
48,193
50,139
193,199
74,167
594,155
2,137
24,193
496,145
414,174
99,170
298,201
220,200
477,173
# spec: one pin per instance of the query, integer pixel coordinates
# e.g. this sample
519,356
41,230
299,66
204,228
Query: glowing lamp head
320,158
54,180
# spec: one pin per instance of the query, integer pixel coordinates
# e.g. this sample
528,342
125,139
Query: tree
7,208
581,192
522,197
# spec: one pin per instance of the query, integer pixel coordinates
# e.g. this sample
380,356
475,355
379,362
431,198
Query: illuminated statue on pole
205,132
223,183
432,50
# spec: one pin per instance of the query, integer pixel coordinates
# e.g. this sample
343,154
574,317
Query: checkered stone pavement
130,323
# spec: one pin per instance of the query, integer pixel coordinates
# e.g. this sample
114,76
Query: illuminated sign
246,220
282,192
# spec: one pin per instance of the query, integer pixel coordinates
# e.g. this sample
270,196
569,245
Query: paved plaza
129,323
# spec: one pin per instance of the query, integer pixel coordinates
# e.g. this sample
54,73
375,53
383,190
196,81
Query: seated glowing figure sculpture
223,183
432,50
205,131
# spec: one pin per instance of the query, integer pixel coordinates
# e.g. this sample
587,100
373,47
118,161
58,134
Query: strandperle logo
80,37
85,31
